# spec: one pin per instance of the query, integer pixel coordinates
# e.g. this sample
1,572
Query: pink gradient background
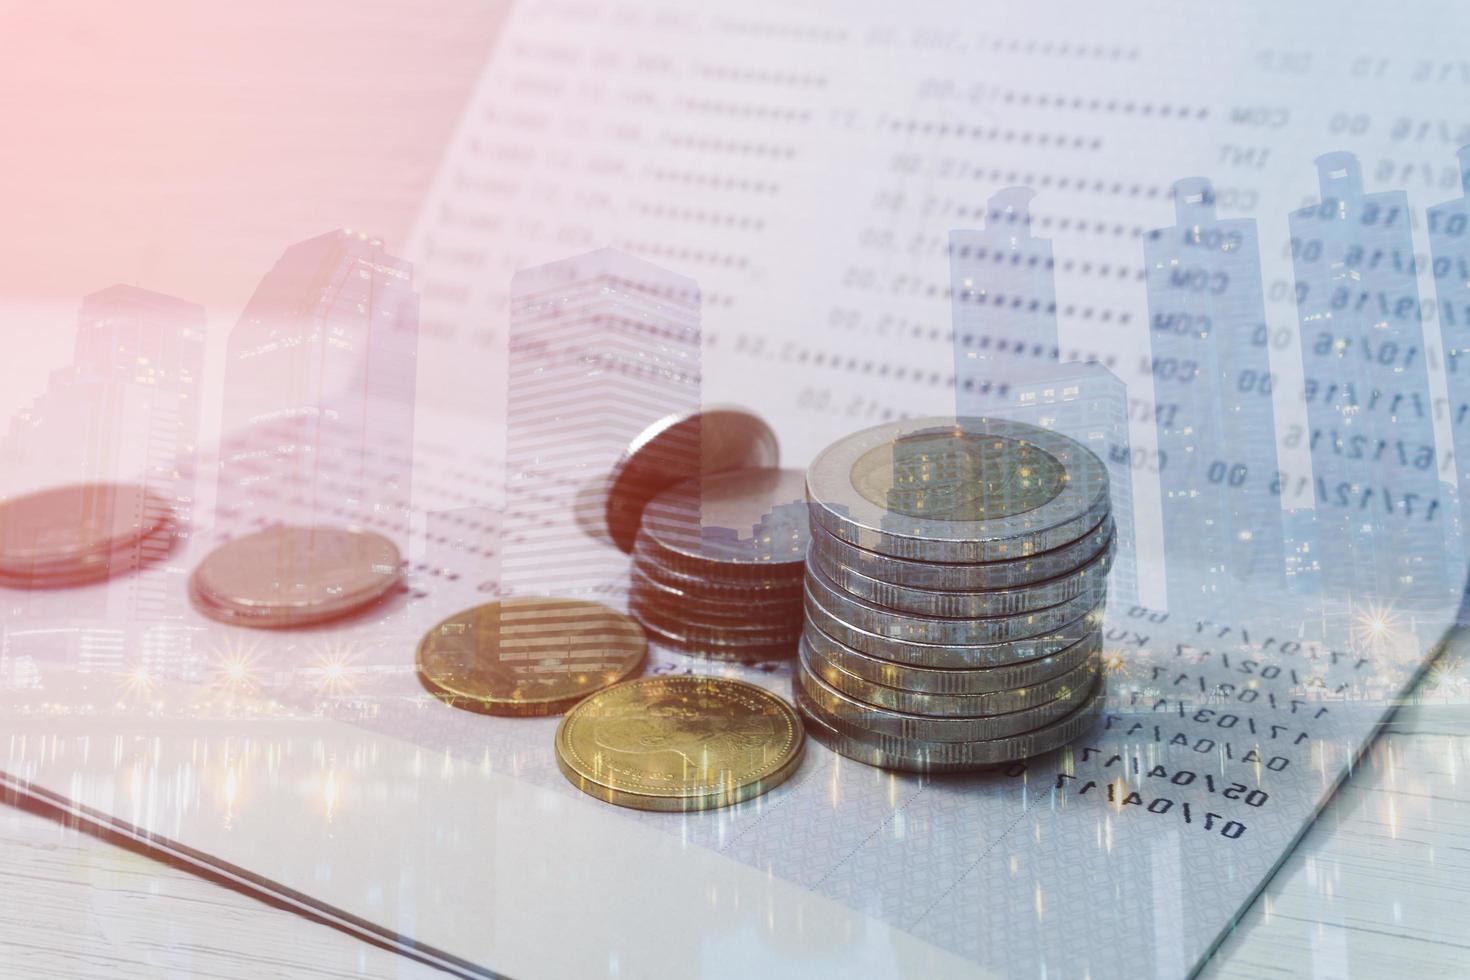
181,146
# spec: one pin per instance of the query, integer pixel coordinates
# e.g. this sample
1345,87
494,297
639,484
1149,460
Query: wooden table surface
1379,887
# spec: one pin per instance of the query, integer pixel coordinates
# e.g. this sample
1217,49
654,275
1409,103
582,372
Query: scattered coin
678,448
294,575
679,743
529,656
958,489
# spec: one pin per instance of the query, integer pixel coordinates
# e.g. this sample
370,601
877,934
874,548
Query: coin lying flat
529,656
873,618
945,705
678,448
1089,580
950,680
294,575
963,576
913,755
746,523
679,743
918,653
859,714
958,489
71,535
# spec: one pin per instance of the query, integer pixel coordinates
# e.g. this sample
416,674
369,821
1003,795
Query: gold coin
529,656
679,743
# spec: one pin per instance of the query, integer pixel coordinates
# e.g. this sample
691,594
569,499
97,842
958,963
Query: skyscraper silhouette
1381,525
1086,401
320,385
1003,302
601,346
1212,387
125,410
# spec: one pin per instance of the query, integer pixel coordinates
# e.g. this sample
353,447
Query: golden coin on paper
529,656
679,743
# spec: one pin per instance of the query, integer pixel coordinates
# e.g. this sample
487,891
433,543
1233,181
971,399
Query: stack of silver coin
718,563
955,589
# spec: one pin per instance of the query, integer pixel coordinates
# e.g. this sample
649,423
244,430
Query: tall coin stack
718,563
955,588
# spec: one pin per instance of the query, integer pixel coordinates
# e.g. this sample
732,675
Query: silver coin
866,717
294,576
872,618
933,705
671,622
738,651
950,680
739,523
771,600
910,755
953,655
964,576
714,586
958,489
677,448
1089,580
76,530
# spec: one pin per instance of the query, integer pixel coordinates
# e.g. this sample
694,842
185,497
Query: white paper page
801,165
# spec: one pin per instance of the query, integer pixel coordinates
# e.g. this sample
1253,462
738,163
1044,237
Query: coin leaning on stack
718,564
954,593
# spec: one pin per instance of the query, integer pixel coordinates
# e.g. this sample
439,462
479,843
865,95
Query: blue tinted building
1212,386
1381,520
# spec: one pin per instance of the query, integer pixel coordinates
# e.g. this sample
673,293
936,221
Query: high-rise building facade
601,346
1213,388
1003,302
1086,401
1382,521
125,410
320,386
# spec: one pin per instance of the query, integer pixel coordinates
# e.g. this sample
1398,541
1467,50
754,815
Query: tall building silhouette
1003,302
125,410
1212,385
601,346
320,386
1449,246
1380,512
1086,401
